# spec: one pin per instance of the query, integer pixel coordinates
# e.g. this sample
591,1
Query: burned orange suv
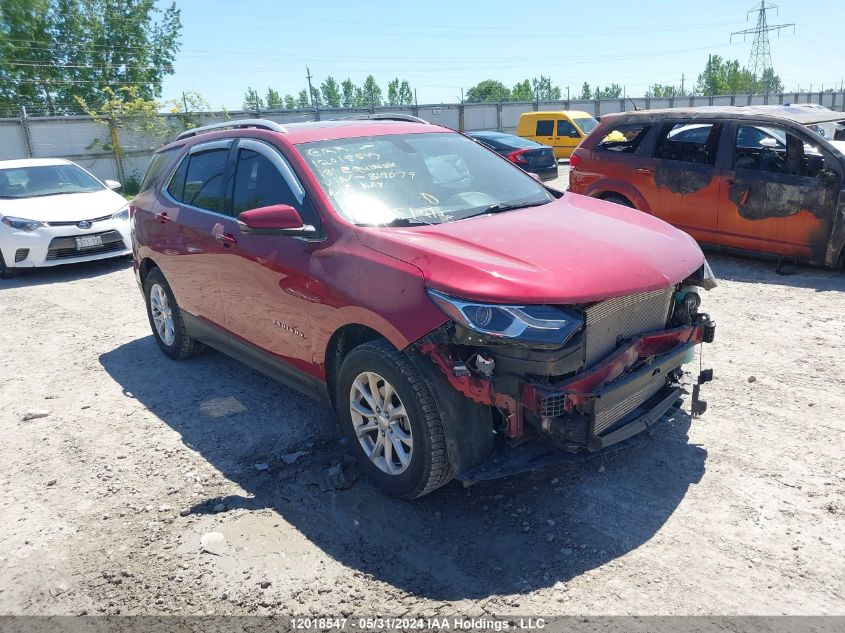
764,179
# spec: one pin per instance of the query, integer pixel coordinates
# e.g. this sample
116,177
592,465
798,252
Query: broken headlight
532,324
703,277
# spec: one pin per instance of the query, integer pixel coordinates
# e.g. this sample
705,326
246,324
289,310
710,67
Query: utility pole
567,93
185,102
311,90
682,85
761,52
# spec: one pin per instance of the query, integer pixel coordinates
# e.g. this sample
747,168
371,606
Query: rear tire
403,454
166,319
618,199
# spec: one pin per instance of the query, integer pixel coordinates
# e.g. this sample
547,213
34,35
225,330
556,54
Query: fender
620,187
468,425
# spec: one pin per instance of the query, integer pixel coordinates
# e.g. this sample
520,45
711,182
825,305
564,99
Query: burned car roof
797,113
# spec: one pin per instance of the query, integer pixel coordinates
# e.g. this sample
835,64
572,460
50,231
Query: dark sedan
532,157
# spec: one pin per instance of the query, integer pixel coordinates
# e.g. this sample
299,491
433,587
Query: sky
442,47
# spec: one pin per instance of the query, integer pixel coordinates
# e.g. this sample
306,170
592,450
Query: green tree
522,91
406,95
252,100
586,92
769,82
488,90
613,91
54,50
316,100
274,100
331,92
371,91
347,98
544,90
290,102
723,77
662,91
302,99
393,92
189,107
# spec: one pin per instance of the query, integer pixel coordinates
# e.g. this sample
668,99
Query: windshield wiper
500,207
405,222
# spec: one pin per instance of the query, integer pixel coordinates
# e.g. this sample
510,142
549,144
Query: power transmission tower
761,52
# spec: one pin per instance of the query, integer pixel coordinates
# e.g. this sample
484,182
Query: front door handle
645,170
225,239
162,217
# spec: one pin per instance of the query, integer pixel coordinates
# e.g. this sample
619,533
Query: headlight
535,323
21,224
703,277
123,214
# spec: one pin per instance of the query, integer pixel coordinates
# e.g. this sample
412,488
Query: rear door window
545,127
157,164
204,179
624,139
688,142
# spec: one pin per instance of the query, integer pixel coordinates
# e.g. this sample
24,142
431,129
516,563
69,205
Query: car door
187,220
779,193
566,138
544,132
684,180
265,281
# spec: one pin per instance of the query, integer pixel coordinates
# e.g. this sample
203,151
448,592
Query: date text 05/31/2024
420,624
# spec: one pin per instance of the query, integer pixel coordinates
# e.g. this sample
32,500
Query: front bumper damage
603,408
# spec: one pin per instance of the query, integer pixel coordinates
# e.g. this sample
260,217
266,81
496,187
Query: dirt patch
156,487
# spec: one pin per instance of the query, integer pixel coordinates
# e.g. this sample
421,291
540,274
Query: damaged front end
567,382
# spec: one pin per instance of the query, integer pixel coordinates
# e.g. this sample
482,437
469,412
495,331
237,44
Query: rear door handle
225,239
162,217
644,170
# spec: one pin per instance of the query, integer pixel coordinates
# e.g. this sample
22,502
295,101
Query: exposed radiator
613,320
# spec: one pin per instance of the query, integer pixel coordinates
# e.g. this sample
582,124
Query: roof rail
259,124
389,116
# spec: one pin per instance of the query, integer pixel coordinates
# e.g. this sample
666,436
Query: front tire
166,319
5,271
391,420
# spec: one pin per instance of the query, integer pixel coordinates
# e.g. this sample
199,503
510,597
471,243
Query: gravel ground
108,500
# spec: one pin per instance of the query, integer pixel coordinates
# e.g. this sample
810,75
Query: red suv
463,320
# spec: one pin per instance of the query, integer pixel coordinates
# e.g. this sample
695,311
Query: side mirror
574,134
278,219
112,184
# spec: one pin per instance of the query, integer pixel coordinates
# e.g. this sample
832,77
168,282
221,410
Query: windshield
586,124
426,178
45,180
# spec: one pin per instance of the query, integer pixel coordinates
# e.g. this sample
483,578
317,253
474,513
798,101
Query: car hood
573,250
64,207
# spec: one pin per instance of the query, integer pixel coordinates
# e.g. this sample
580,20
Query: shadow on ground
494,538
65,272
763,271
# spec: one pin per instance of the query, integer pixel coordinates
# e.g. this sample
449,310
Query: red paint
280,216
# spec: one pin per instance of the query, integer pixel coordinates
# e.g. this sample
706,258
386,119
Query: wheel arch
340,343
144,268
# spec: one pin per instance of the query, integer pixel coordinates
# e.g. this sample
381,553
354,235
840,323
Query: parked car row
464,320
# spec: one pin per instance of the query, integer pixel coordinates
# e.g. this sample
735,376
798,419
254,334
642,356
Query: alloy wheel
162,315
381,423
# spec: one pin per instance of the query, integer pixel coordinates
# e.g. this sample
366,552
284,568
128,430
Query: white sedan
54,212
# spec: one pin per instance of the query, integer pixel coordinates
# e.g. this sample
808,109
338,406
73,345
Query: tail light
574,161
517,157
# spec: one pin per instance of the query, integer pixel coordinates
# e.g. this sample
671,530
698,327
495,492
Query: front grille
610,322
607,417
75,222
65,247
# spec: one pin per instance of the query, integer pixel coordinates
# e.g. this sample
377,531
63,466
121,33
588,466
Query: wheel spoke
378,446
372,381
399,450
364,391
361,410
398,413
402,435
388,450
366,428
